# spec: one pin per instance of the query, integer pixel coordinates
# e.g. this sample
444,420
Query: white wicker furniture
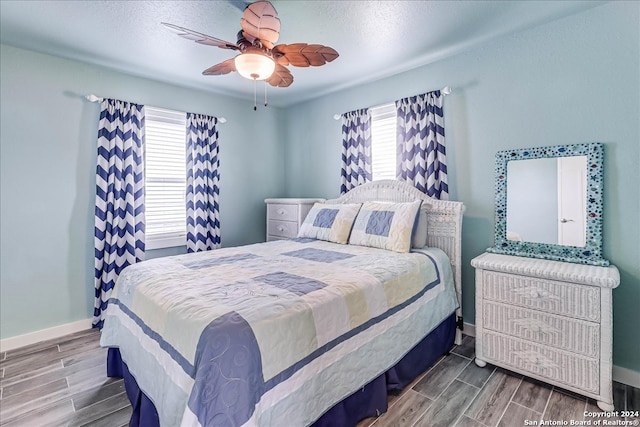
444,223
284,216
549,320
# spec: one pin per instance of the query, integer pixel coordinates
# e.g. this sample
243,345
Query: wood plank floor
456,392
63,382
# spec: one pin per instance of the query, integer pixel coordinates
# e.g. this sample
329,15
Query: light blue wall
47,150
574,80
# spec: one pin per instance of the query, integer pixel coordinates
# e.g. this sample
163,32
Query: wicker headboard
444,220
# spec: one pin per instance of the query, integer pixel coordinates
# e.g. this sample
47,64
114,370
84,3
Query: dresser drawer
284,229
573,335
560,367
282,212
567,299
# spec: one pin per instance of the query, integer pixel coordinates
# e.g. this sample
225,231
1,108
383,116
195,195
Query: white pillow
330,222
386,225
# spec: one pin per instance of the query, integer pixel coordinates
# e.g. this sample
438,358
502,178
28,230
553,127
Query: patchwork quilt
274,333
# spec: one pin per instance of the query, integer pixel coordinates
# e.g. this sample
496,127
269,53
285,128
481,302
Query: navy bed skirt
369,401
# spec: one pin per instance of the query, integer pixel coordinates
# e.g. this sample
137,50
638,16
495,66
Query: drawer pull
281,211
281,228
539,295
535,326
535,359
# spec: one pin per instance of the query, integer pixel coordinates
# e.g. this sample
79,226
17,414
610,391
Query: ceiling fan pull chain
265,93
255,104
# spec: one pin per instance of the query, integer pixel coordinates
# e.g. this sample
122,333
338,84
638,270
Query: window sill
161,242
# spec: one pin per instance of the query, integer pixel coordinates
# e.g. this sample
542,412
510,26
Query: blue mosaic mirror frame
591,253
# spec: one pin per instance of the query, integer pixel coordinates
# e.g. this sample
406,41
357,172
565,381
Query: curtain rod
93,98
445,91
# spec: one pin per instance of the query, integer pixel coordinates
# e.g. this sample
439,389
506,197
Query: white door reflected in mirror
546,200
572,200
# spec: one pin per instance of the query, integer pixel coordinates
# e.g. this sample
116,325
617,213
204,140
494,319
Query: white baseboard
469,329
626,376
620,374
45,334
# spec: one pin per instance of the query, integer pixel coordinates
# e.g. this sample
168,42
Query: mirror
549,203
546,200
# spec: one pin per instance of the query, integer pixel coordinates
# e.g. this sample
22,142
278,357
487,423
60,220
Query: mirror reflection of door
572,196
532,200
546,200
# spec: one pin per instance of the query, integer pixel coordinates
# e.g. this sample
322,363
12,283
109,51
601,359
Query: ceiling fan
260,58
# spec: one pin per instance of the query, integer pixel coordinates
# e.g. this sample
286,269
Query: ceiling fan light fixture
260,58
254,66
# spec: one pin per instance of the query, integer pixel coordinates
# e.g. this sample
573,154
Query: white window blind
165,178
383,142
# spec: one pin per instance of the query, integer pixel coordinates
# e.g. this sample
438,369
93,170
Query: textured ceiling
375,39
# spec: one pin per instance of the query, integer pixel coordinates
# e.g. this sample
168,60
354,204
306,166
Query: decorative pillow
386,225
329,222
420,235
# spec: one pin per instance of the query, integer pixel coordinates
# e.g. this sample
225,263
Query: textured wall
574,80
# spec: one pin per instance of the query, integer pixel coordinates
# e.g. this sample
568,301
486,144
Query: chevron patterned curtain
356,149
421,148
119,215
203,225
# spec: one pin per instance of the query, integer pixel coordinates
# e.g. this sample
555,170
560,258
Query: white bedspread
274,333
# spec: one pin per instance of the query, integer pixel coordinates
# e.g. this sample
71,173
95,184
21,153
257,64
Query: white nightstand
284,216
549,320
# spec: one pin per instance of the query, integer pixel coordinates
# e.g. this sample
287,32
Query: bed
291,332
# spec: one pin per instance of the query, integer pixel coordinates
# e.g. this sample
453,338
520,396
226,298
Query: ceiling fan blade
303,54
260,21
224,67
281,77
200,38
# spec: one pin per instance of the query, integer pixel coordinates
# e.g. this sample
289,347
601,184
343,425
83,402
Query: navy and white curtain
203,225
119,214
421,148
356,149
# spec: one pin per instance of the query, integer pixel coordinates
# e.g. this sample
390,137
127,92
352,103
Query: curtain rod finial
447,90
336,116
222,119
92,98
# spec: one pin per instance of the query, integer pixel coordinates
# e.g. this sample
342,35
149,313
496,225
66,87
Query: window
165,178
383,142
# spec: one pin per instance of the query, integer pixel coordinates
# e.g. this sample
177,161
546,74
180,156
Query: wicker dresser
284,216
548,320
